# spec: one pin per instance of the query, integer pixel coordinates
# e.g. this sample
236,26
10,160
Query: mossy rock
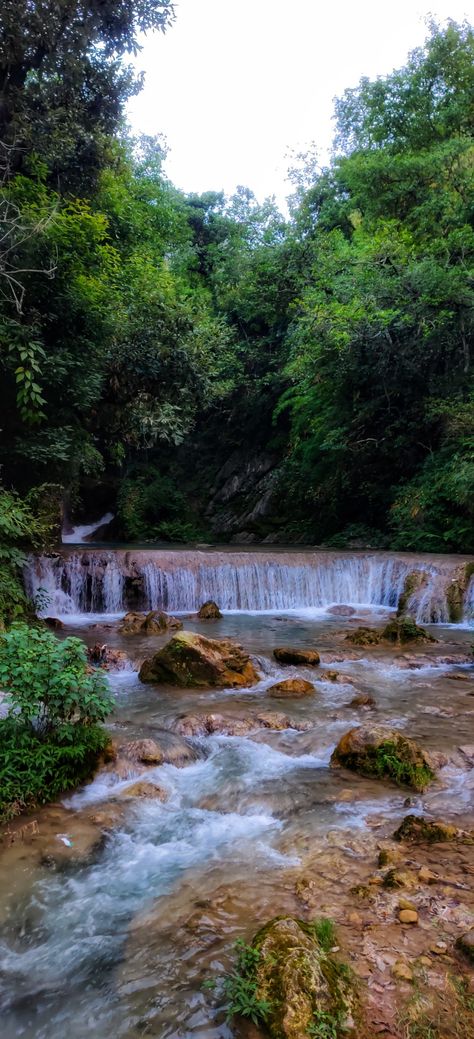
404,629
209,611
415,580
417,830
374,750
298,979
364,637
456,591
191,660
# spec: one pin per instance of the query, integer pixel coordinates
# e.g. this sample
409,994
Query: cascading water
113,581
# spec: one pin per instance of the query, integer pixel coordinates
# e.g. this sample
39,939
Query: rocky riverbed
219,810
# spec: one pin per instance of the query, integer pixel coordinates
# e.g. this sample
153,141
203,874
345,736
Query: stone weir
435,588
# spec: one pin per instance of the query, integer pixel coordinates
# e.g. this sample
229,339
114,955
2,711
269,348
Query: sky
237,86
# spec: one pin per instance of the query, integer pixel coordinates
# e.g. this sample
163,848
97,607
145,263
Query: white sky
235,85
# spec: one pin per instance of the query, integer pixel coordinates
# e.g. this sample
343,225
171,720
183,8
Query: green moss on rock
417,830
384,753
190,660
298,979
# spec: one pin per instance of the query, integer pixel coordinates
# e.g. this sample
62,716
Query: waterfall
112,581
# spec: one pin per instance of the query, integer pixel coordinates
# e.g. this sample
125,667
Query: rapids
123,943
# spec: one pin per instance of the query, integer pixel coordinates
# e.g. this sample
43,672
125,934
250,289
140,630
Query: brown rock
209,611
291,688
145,751
190,660
155,622
302,657
144,789
107,658
408,916
374,750
53,622
362,700
401,971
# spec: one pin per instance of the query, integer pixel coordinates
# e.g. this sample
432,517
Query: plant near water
51,738
240,986
386,761
324,1026
47,682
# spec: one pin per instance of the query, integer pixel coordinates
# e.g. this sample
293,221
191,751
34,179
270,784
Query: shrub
35,770
50,740
241,986
47,682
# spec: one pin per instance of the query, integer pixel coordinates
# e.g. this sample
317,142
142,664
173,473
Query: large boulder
191,660
291,688
300,657
298,981
374,750
209,611
155,622
401,630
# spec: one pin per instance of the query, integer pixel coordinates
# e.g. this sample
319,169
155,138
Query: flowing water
124,943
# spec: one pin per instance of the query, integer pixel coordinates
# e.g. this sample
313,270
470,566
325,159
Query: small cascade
469,601
81,535
112,581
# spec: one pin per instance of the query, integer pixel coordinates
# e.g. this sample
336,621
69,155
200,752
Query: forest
206,367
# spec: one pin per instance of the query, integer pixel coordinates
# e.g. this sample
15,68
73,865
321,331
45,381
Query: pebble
439,948
402,971
426,876
408,916
405,904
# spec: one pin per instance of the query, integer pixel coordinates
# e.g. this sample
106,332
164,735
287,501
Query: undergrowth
241,986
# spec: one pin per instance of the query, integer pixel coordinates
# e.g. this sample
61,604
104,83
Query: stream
123,943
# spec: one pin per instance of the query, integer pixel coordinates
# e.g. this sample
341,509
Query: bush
35,770
48,684
152,508
50,740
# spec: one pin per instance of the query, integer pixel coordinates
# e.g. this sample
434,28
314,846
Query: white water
80,535
98,582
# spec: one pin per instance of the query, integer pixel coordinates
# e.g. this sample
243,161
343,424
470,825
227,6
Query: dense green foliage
51,736
149,339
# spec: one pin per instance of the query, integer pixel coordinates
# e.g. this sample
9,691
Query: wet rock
439,948
156,622
300,657
404,629
341,611
53,622
334,676
190,660
364,637
413,582
144,789
297,979
465,944
209,611
374,750
399,631
396,878
147,752
418,830
292,688
107,658
165,748
209,724
276,720
362,700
